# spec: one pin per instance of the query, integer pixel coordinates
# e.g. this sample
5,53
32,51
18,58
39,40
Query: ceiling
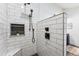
68,5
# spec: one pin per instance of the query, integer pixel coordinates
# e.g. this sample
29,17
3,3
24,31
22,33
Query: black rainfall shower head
31,13
26,3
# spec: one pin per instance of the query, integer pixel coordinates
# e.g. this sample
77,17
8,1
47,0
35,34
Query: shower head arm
31,13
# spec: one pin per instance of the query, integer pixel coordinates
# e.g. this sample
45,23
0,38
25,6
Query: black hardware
46,28
47,36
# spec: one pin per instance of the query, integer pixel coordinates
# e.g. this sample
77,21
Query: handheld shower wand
31,25
30,21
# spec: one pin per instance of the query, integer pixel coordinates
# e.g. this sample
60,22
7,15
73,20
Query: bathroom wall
73,18
23,42
56,46
3,32
43,46
11,13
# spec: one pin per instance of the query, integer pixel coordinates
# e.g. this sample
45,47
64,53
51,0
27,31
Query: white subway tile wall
11,13
54,46
15,42
3,32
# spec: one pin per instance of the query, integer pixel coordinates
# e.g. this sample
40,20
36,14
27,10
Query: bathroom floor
72,50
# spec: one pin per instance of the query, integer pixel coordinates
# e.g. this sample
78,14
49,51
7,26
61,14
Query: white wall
45,11
15,42
54,46
3,32
10,13
73,17
48,9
